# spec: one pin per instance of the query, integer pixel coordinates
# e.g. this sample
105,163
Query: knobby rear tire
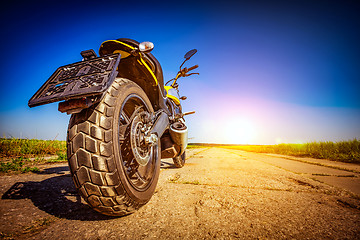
96,158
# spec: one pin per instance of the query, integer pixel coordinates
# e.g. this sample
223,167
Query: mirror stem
183,64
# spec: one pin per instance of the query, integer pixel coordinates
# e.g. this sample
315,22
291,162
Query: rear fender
141,68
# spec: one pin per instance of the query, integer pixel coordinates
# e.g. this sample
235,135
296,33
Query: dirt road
222,194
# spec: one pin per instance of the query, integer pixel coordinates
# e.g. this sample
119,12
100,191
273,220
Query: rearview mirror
190,53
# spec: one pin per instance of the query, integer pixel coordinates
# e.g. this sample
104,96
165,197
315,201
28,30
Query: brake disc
139,147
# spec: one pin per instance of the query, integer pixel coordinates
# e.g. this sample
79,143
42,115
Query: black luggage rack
81,79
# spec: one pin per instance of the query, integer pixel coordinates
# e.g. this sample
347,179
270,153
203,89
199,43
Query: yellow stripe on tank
127,45
148,68
141,59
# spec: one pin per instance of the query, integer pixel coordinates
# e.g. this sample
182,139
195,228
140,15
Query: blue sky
270,71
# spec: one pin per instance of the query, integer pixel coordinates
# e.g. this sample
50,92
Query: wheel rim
140,176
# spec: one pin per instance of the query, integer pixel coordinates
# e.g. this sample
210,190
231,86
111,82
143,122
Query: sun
239,130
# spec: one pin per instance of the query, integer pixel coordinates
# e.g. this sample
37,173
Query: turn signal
146,46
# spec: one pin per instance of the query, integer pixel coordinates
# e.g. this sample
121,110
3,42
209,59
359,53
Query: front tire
179,161
100,153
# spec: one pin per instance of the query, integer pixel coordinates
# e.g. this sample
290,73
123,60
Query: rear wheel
179,161
114,169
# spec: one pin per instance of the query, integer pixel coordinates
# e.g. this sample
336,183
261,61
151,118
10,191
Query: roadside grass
20,155
194,145
17,165
14,147
344,151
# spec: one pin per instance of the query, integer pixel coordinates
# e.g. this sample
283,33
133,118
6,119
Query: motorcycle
124,120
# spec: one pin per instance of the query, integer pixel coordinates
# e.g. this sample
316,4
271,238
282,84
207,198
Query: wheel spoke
133,148
140,178
122,131
124,122
124,118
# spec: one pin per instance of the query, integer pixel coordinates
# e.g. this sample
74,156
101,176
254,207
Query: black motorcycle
124,120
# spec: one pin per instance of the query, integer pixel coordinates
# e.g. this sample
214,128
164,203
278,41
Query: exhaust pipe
179,135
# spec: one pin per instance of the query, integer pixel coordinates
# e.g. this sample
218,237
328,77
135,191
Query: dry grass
194,145
344,151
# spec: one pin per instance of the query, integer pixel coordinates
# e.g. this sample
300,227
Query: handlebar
192,68
183,73
186,75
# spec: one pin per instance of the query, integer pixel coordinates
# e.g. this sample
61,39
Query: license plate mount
78,80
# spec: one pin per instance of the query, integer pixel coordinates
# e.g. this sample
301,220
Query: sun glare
240,131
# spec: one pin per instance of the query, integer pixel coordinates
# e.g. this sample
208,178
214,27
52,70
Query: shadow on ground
56,196
167,165
57,170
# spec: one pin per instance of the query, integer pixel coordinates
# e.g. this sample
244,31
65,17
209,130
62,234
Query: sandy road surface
222,194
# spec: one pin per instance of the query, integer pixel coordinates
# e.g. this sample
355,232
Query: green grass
17,165
344,151
13,147
15,153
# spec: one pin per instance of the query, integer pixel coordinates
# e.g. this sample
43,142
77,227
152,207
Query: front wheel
179,161
113,168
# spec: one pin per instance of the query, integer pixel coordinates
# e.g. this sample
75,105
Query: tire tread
91,157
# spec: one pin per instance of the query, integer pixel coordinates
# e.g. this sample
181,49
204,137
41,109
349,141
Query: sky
270,71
